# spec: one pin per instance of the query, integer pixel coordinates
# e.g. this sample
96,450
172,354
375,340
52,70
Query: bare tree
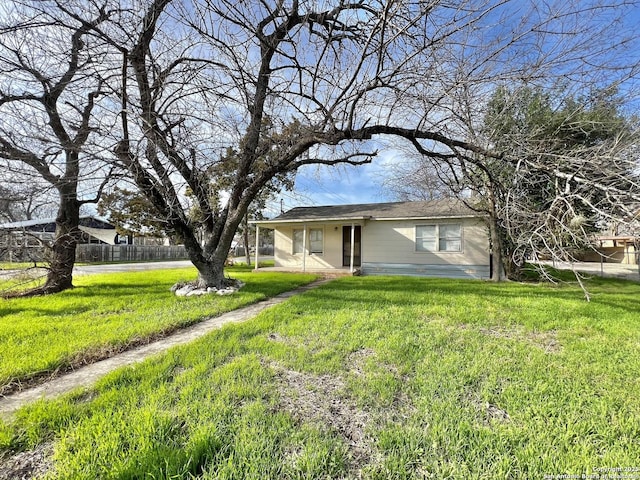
568,167
574,51
572,168
202,76
25,199
196,77
48,99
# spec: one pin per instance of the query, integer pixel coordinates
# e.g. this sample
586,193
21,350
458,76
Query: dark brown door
346,246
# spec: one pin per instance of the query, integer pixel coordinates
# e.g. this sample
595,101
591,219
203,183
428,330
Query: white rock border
190,290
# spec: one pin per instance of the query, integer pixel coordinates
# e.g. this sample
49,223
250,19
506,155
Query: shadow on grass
408,291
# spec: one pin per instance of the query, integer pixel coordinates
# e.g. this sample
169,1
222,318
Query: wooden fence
129,253
90,253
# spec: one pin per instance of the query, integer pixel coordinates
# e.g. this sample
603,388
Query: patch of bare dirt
492,413
27,465
487,412
547,341
276,337
356,360
322,399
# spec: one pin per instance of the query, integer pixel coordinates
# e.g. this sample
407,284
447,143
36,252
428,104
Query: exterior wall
389,247
331,256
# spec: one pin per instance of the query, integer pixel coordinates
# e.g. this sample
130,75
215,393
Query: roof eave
266,223
307,220
433,217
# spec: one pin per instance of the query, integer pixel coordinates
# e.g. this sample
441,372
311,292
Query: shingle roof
450,208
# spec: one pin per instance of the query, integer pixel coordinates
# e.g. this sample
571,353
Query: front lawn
107,313
372,378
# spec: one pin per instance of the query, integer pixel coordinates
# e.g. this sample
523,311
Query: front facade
441,238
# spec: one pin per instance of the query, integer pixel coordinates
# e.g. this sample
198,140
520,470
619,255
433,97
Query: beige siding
393,241
330,258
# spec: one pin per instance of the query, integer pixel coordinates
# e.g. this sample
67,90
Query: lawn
376,378
107,313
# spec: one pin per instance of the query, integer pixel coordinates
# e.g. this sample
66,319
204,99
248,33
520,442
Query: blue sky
337,185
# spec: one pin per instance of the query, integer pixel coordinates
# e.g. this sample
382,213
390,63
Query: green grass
105,313
22,279
378,378
21,265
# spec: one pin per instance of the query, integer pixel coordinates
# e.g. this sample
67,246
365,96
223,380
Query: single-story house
442,238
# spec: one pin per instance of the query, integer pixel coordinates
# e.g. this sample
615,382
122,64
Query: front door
346,246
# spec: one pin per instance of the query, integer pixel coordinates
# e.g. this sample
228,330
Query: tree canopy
567,166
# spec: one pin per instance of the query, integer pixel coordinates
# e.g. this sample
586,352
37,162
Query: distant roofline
43,221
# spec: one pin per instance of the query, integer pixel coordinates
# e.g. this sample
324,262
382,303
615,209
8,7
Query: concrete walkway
87,376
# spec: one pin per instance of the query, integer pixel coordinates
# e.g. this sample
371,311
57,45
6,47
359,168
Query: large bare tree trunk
48,115
63,252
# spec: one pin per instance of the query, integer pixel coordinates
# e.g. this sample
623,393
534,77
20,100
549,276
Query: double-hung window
298,241
315,241
439,238
426,236
450,238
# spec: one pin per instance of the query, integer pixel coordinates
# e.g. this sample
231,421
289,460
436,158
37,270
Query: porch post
257,247
353,240
304,248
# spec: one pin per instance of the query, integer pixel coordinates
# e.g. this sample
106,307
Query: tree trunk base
45,289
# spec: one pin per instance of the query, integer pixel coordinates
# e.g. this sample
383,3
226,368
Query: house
24,240
624,249
34,232
619,243
440,238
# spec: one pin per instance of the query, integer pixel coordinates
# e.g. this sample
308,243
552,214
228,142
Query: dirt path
89,375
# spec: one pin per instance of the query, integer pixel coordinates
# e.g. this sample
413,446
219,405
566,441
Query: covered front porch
330,247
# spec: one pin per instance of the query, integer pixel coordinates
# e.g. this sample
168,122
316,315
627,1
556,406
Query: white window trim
437,238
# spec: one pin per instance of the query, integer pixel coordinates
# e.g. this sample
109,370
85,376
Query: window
449,238
439,238
425,238
298,239
315,241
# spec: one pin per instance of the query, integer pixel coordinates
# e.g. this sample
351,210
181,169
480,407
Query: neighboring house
620,243
624,249
618,249
35,232
442,238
